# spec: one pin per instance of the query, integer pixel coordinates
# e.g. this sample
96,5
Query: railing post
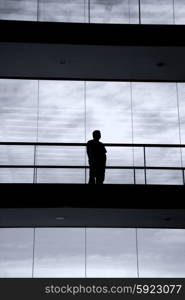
34,163
139,3
144,152
134,176
183,177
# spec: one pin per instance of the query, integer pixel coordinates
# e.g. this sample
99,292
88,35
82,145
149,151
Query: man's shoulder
90,142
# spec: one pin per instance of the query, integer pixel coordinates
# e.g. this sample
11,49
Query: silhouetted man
97,159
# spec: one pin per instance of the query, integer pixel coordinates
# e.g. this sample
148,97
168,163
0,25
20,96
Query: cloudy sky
101,11
68,111
110,252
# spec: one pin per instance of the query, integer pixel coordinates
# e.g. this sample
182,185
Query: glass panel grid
161,252
111,252
59,252
16,252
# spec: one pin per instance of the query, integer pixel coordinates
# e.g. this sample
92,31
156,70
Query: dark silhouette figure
97,159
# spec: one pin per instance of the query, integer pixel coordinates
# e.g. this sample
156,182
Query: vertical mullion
33,255
38,10
139,3
179,126
89,11
137,253
129,11
85,123
37,133
85,252
132,129
144,153
173,3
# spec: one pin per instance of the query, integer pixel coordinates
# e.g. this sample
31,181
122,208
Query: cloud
108,107
111,252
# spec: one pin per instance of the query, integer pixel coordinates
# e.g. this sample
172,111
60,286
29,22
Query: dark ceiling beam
92,34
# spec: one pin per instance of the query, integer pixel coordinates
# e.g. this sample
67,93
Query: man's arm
89,152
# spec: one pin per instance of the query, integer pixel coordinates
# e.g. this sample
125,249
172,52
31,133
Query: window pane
119,156
108,109
139,161
155,113
114,11
181,95
113,176
61,111
133,11
18,10
16,252
164,177
18,100
157,12
179,6
161,252
60,175
140,176
59,252
62,10
155,120
16,155
164,157
61,119
16,175
111,252
61,155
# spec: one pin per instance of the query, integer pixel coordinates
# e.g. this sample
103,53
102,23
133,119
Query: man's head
96,135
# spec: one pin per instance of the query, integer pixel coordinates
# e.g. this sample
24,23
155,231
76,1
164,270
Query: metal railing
133,167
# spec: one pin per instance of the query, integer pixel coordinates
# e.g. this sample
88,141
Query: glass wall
161,252
111,11
16,252
95,11
61,112
91,252
156,121
62,10
111,252
18,123
157,11
19,10
59,252
69,111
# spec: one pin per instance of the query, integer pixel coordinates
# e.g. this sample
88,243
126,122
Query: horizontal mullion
87,167
85,144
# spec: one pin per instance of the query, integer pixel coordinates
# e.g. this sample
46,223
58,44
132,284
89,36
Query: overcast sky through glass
68,111
95,11
110,252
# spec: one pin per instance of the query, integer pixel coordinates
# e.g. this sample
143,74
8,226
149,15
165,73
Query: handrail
144,167
87,167
84,144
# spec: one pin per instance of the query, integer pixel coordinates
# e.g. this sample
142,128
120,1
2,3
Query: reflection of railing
143,167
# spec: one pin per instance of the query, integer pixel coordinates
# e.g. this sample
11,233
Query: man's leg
100,176
91,175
